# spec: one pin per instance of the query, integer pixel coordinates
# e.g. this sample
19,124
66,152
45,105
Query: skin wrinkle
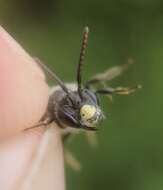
24,154
46,166
38,135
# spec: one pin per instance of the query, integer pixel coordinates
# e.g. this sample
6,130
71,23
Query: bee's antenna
53,76
81,59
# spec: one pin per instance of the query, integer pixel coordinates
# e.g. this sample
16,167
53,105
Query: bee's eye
87,111
91,96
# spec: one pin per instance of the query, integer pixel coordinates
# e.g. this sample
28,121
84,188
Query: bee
78,106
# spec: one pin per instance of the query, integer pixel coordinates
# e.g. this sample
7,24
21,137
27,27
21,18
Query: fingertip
23,90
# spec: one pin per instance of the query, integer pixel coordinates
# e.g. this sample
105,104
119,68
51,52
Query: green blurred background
130,152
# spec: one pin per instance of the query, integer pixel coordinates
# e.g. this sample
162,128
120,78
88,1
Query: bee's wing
109,74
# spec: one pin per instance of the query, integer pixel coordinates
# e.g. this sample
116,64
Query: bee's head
82,113
89,109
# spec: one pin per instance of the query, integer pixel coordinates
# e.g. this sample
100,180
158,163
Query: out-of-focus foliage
130,153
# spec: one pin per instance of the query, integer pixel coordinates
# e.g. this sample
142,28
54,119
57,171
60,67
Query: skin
23,100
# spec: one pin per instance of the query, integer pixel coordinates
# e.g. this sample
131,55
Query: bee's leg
41,124
72,161
69,157
109,74
119,90
91,138
66,137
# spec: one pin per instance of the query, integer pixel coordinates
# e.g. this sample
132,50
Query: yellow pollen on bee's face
87,111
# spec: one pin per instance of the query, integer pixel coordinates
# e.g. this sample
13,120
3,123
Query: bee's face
85,112
90,115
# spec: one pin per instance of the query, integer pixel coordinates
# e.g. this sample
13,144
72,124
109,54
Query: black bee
78,107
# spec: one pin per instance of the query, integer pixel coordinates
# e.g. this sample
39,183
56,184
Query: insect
74,107
80,108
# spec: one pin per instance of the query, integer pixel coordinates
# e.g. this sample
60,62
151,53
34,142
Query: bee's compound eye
87,111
